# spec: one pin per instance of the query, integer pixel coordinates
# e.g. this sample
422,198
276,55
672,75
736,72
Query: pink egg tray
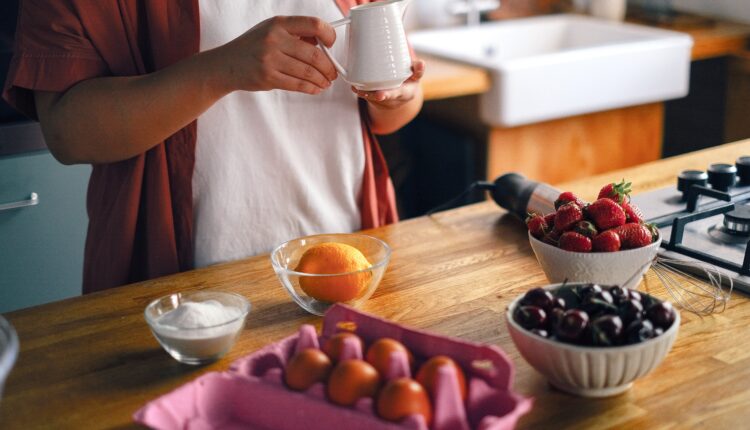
252,393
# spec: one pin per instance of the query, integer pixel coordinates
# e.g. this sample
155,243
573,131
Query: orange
332,258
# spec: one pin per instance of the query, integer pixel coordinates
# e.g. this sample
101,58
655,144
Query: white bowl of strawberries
605,242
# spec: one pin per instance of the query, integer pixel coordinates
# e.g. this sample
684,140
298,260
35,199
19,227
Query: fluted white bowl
625,268
590,371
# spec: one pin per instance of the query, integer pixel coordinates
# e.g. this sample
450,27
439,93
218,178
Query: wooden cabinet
41,246
580,146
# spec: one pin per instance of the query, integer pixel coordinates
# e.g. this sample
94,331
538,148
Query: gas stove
706,217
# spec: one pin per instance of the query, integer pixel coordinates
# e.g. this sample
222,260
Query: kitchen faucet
472,9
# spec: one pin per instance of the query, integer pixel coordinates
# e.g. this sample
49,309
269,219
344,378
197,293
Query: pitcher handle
329,54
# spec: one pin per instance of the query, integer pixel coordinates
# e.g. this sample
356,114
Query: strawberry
567,216
618,192
576,242
606,241
633,235
552,238
568,197
586,228
606,213
654,231
537,225
550,220
632,212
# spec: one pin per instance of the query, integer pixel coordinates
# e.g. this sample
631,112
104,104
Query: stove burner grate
678,231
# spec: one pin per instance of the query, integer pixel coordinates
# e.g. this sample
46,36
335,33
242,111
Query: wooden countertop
91,361
444,79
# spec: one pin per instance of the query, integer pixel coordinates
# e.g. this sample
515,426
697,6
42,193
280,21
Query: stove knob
722,176
737,221
688,178
743,169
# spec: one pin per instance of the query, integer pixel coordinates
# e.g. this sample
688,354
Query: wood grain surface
579,146
445,79
90,362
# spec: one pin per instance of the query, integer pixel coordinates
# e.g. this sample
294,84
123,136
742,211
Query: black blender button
688,178
743,169
722,176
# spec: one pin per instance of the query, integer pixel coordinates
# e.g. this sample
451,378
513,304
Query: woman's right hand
278,53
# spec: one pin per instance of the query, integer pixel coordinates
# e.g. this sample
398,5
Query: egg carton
252,394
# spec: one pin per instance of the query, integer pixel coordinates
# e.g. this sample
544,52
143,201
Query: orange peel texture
332,258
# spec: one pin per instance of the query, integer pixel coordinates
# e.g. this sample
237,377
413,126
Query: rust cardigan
141,209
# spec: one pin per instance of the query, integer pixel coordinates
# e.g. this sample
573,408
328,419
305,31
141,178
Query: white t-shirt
273,165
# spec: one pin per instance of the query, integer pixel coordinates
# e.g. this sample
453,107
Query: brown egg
351,380
379,354
306,368
402,397
334,345
427,374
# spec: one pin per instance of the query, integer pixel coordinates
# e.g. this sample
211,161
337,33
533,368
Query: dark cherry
638,331
531,317
558,303
572,326
630,310
589,289
600,303
540,298
635,295
570,296
658,332
606,330
661,315
604,295
540,332
619,294
553,318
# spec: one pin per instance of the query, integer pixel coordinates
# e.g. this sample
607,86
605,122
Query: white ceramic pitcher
378,55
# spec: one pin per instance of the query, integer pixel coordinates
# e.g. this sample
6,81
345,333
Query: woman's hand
113,118
392,99
392,109
280,53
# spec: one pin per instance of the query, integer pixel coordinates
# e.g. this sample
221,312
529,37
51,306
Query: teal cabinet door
41,245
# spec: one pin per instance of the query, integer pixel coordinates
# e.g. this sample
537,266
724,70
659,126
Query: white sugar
192,315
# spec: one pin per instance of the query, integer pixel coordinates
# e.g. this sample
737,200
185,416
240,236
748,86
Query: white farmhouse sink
557,66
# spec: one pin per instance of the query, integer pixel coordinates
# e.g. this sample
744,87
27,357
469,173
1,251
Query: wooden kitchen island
90,362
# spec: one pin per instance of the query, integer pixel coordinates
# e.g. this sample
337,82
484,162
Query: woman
210,142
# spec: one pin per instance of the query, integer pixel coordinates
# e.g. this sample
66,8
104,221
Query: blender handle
329,54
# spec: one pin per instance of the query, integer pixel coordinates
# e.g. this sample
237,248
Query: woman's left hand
395,98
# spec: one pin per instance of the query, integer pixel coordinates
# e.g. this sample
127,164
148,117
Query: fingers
311,55
286,82
417,69
308,26
301,70
374,96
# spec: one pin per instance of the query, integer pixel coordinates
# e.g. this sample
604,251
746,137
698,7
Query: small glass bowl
192,345
287,255
8,350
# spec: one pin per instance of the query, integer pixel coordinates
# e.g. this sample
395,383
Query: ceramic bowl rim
377,265
654,244
670,332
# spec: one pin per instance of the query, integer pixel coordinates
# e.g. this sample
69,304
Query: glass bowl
8,350
192,342
286,257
